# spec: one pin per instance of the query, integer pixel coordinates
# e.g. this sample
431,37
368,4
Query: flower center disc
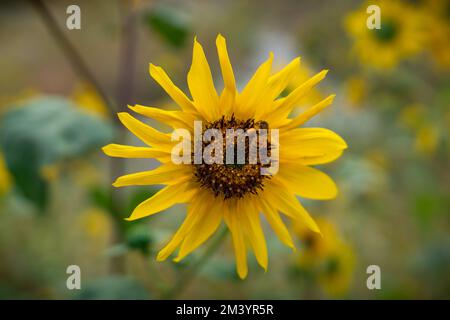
233,180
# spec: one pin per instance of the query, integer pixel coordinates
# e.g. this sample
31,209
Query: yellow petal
232,219
164,174
311,112
309,146
147,134
229,92
254,92
163,199
201,231
279,81
287,203
276,84
175,119
302,137
195,211
278,226
302,89
191,219
285,105
307,182
160,76
252,228
201,85
123,151
315,157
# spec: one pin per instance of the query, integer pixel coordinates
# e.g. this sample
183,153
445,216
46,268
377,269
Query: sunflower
401,34
236,194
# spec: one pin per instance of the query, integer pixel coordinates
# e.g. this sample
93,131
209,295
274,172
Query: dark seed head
235,180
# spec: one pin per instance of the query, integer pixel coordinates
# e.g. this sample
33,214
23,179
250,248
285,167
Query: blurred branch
185,278
125,84
127,56
77,62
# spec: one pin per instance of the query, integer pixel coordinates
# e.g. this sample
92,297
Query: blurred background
60,90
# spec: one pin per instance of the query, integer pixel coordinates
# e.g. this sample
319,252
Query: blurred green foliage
139,238
43,131
171,25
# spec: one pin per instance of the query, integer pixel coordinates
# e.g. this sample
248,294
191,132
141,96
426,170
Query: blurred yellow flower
426,133
412,116
50,172
83,172
427,139
96,231
87,173
87,98
328,257
437,13
96,223
236,194
401,34
356,90
338,270
315,245
5,177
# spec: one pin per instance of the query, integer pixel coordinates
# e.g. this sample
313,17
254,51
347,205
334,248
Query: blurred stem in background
125,83
127,53
78,64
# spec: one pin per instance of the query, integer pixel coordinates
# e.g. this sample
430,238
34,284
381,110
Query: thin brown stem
125,85
74,57
127,56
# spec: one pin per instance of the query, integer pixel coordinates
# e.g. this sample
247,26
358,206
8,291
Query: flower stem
185,278
125,84
74,57
129,41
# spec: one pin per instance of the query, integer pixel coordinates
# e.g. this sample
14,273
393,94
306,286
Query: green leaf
23,164
43,131
138,238
173,26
